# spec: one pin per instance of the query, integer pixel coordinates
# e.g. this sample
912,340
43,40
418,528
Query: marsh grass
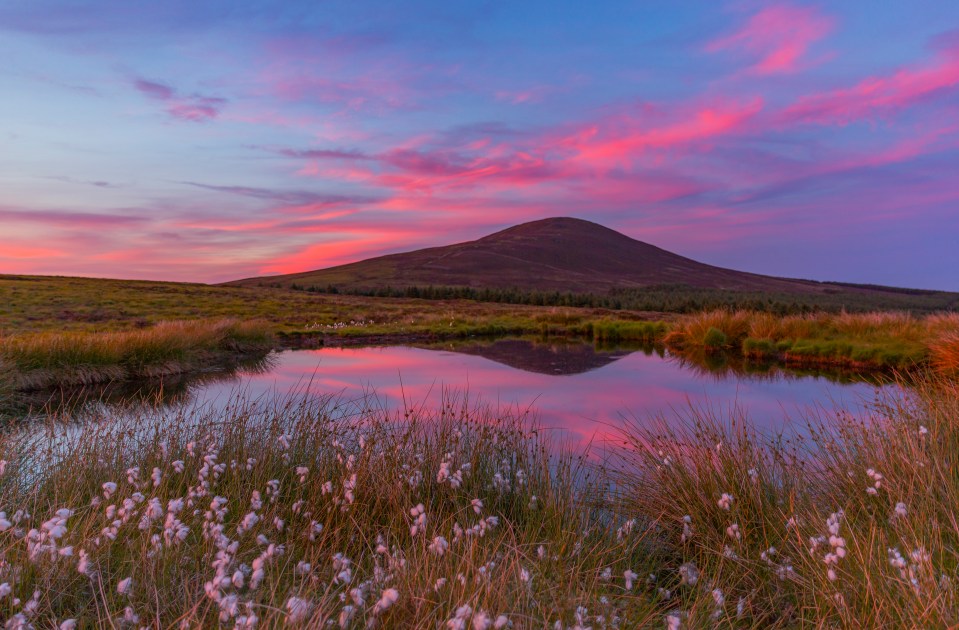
887,340
49,359
849,522
945,353
851,525
527,539
611,331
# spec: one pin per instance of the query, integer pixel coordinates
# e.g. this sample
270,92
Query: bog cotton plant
291,517
352,542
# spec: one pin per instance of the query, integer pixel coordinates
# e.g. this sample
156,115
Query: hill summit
557,254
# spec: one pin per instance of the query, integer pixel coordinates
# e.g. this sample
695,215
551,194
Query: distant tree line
676,298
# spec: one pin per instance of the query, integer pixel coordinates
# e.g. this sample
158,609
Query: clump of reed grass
309,513
945,352
881,339
849,525
611,331
696,330
78,358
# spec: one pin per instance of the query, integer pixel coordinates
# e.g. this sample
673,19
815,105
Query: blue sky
207,141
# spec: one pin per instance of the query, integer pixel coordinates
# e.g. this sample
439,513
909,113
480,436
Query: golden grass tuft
79,358
945,353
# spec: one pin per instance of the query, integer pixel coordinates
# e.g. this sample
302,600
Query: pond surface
580,390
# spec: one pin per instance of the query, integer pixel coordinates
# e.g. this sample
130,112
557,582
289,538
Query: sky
218,139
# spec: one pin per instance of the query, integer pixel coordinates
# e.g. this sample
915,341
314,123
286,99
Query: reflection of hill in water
542,358
564,358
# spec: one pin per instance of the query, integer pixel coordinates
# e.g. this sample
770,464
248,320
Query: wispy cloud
292,197
64,218
190,108
877,95
777,38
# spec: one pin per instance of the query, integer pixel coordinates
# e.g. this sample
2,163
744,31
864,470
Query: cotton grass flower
386,600
689,574
419,519
124,586
298,610
876,477
725,501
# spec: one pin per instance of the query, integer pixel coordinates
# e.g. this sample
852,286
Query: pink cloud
348,247
605,145
193,108
11,250
196,109
875,95
64,219
548,160
779,35
154,90
521,97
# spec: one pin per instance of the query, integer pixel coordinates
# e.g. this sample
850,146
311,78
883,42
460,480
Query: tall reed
69,358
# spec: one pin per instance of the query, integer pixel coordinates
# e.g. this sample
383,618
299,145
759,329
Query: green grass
31,304
611,331
64,330
832,297
864,340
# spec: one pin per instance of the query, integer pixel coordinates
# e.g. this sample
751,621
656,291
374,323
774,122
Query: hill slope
558,254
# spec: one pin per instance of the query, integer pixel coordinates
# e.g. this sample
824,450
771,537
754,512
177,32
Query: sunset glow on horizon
219,140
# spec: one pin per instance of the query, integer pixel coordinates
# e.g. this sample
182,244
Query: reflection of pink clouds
875,95
584,407
779,34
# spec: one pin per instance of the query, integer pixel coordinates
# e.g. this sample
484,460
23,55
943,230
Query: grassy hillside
558,254
571,262
678,298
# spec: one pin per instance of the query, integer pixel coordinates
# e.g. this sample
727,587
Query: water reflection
542,358
176,389
579,389
586,405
